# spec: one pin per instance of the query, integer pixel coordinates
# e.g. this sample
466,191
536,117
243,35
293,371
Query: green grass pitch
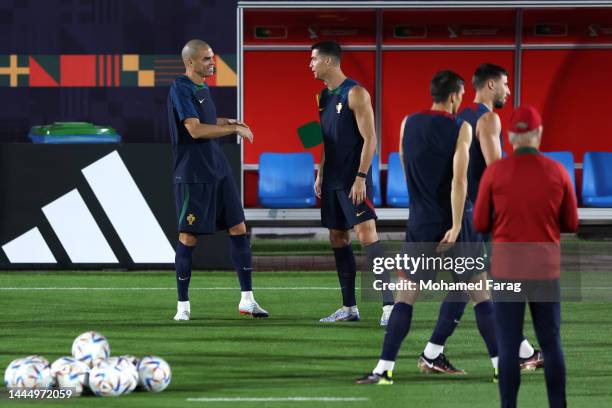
219,354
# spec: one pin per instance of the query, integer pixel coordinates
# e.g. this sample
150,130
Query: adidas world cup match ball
107,380
154,373
73,375
26,373
58,365
9,373
37,358
89,347
128,371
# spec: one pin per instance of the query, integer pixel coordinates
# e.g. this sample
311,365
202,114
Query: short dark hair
443,84
485,72
329,48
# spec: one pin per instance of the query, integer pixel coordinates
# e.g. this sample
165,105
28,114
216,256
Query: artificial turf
221,355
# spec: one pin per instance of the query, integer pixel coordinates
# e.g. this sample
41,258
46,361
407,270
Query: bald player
207,199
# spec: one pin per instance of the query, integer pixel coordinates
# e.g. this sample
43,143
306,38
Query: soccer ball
37,358
27,373
154,373
60,364
130,366
89,347
132,359
74,375
108,381
9,373
128,372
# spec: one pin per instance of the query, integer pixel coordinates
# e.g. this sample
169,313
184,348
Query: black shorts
338,211
203,208
423,240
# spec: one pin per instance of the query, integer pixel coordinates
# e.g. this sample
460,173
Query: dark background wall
107,27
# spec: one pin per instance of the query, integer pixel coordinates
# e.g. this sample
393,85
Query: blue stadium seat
376,181
567,160
597,179
397,192
286,180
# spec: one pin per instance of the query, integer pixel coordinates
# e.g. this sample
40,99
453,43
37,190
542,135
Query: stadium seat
597,179
376,181
397,192
286,180
567,160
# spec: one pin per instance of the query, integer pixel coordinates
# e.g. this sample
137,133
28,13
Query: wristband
362,175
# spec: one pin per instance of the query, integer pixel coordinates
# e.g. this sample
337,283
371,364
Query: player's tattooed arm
361,105
488,129
199,130
461,160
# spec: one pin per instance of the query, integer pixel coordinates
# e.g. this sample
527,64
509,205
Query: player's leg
485,320
242,258
192,201
182,263
230,216
547,323
451,310
509,317
334,219
347,270
397,330
368,237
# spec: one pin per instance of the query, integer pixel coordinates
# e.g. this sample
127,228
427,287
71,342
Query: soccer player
435,148
344,179
491,84
207,199
534,202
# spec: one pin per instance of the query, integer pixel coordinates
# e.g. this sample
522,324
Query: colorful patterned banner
108,70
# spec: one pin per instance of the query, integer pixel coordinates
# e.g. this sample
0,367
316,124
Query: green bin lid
72,128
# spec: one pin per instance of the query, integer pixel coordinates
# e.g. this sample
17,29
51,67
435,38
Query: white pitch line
274,399
171,288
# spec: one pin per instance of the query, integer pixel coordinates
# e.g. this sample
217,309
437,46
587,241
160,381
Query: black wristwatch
362,175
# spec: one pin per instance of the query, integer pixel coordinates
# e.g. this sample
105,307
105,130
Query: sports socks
242,260
347,269
182,263
397,329
373,251
449,316
526,350
486,326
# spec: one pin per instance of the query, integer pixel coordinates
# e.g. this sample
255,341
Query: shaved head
192,47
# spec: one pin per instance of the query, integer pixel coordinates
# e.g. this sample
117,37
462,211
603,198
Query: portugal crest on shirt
338,107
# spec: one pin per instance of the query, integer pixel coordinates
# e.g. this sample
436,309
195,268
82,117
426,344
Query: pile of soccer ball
90,367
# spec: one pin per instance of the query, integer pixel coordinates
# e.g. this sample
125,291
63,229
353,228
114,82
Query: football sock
449,316
242,260
182,263
526,349
383,365
397,329
486,326
183,306
495,362
247,297
373,251
347,269
432,351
